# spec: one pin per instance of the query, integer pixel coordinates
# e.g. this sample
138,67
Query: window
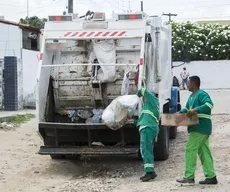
30,40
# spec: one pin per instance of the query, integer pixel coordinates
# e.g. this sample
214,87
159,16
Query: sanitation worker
149,129
198,141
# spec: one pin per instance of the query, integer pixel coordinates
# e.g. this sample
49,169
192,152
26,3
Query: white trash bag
119,110
105,52
125,84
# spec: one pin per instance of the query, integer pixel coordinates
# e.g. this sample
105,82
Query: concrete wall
220,99
213,74
221,22
20,83
11,45
10,40
30,70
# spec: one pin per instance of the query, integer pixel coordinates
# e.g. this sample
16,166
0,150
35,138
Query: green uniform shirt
150,113
202,101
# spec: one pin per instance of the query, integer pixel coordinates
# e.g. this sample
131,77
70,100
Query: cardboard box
178,119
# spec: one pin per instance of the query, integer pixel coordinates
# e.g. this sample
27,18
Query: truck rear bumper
49,150
77,135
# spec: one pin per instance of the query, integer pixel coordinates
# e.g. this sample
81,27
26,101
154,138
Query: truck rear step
52,150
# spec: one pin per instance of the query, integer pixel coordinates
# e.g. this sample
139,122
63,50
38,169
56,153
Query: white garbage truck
81,70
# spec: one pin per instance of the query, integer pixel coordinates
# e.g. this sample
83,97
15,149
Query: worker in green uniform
148,127
200,103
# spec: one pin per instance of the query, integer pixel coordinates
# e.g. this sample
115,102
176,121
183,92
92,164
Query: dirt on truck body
82,66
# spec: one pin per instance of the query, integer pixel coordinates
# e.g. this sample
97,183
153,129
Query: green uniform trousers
147,140
198,143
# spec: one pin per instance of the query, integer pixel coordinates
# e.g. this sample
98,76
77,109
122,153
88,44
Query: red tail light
132,16
41,56
58,18
129,16
141,61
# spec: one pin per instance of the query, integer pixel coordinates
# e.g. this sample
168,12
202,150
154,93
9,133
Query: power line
40,8
3,4
12,5
216,17
96,3
47,6
210,6
113,4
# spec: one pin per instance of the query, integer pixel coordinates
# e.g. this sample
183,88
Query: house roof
22,26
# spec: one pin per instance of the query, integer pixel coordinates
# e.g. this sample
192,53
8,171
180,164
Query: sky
187,10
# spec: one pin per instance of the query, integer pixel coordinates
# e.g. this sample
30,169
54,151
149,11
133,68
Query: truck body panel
68,79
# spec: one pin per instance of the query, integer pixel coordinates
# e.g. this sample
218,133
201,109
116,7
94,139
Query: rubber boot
212,181
148,176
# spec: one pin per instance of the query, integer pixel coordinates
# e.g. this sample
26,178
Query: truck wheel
57,156
161,149
172,132
139,157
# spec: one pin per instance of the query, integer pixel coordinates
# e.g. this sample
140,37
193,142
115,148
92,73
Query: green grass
18,119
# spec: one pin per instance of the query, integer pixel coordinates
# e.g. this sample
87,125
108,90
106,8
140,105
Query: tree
195,41
34,22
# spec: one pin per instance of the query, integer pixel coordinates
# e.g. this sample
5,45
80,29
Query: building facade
23,42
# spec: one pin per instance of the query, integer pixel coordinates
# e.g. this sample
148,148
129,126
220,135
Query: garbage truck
82,64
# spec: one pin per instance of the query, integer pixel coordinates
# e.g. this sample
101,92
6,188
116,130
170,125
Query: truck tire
161,149
57,156
173,129
172,132
139,157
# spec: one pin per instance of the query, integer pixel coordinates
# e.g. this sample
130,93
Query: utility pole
70,6
169,15
142,9
129,7
118,6
27,8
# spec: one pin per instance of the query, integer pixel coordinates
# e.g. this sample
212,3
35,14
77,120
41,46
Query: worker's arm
206,104
146,94
186,109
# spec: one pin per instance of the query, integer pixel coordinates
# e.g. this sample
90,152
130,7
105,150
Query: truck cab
82,64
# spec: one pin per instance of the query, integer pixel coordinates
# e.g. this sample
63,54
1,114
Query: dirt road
23,170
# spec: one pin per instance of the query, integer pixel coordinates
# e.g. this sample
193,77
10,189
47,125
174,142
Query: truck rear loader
82,64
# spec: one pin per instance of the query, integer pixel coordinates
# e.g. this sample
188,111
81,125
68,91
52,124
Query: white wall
213,74
20,83
220,99
30,70
10,40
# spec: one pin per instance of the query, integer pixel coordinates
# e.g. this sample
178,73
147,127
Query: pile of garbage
119,111
6,126
114,116
90,116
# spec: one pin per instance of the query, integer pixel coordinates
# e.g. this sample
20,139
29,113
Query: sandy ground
23,170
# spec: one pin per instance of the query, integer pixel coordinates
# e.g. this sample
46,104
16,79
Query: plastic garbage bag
75,115
72,114
84,114
106,54
125,84
96,117
119,110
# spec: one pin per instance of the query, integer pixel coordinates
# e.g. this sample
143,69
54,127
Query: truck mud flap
45,150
